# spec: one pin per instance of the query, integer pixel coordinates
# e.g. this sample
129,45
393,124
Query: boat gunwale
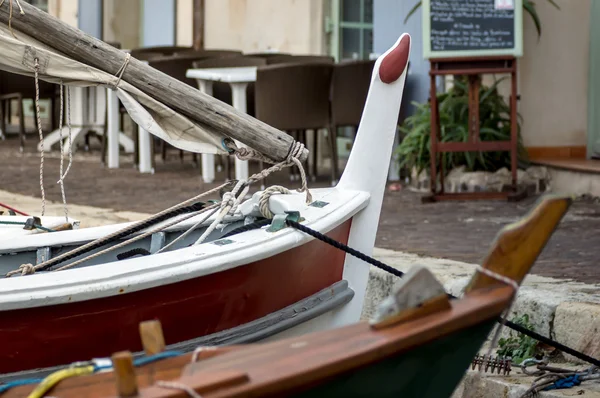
135,274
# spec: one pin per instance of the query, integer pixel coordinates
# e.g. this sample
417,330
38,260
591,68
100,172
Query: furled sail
18,55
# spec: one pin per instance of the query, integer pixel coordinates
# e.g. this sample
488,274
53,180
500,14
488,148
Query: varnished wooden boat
243,288
419,345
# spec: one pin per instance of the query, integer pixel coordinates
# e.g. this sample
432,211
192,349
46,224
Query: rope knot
27,269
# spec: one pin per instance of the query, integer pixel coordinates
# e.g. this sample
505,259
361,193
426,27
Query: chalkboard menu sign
455,28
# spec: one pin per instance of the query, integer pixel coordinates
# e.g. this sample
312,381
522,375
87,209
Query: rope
60,127
263,202
186,233
132,253
178,386
54,378
10,14
343,247
134,239
17,383
556,378
121,70
247,227
24,223
244,153
39,126
119,234
69,133
229,204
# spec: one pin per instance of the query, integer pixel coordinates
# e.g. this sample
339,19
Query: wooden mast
189,101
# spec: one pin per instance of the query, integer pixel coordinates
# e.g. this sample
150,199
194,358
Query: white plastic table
88,107
238,78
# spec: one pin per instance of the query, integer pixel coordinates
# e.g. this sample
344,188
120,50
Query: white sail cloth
17,55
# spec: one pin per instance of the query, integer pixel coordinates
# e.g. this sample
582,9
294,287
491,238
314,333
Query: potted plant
414,151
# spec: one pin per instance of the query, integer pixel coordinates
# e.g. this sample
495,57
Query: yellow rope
54,378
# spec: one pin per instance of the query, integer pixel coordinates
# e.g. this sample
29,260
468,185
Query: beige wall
554,75
257,25
66,10
185,23
122,22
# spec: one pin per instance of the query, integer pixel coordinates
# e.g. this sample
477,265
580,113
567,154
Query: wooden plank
189,101
518,245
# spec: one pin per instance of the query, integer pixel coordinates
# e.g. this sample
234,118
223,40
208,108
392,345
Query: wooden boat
243,288
419,344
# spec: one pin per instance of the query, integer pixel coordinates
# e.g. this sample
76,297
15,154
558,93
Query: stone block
576,325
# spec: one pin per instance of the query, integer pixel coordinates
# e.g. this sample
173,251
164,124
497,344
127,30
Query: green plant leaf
529,6
412,11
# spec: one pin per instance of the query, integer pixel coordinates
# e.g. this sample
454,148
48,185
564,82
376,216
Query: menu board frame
516,51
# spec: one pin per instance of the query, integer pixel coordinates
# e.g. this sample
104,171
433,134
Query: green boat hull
432,370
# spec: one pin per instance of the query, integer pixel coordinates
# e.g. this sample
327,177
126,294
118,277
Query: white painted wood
358,196
136,274
367,171
238,78
239,74
112,130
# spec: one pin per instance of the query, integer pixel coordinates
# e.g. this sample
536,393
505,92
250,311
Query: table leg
78,114
238,92
145,151
112,130
208,159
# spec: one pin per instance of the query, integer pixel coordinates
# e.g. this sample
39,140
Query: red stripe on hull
61,334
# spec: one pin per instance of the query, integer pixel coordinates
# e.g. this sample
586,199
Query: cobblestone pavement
460,231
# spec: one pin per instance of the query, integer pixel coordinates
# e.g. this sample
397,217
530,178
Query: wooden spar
189,101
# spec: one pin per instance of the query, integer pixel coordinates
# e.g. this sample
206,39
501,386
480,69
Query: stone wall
535,180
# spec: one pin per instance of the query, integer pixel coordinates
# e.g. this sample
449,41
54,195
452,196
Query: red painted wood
61,334
394,64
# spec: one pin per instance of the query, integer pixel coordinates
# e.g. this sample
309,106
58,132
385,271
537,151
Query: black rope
343,247
393,271
127,232
247,227
549,342
140,251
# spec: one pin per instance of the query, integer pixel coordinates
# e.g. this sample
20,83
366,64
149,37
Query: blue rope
138,362
146,360
18,383
567,382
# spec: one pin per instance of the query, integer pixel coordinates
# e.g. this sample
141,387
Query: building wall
258,25
185,23
121,22
65,10
554,75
